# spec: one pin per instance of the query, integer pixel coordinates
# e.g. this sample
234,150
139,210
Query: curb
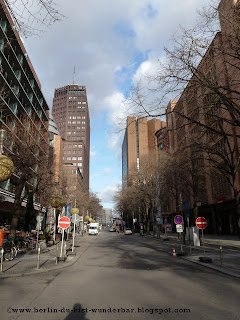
202,264
209,266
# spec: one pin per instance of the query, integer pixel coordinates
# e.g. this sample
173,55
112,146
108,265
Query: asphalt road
119,277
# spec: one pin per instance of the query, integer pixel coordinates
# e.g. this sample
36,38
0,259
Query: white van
93,229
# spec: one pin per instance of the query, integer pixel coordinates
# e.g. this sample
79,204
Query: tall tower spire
73,74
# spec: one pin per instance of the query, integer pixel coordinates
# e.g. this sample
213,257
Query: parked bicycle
10,250
21,243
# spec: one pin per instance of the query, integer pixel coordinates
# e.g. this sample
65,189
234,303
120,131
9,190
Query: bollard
38,258
56,253
2,252
65,249
221,256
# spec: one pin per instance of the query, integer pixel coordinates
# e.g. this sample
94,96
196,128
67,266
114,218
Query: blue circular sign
178,219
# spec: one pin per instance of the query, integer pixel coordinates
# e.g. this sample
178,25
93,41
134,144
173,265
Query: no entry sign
201,223
178,219
64,222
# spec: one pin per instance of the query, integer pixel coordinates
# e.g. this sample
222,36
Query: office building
139,141
71,115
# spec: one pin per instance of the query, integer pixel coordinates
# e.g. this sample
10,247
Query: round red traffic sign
178,219
201,223
64,222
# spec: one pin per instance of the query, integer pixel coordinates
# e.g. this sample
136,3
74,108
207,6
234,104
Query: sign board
201,223
39,218
186,209
159,220
64,222
179,228
38,226
75,218
178,219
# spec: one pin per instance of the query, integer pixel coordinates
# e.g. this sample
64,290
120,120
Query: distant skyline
109,46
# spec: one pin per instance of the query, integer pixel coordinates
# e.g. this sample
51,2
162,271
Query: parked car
112,229
127,231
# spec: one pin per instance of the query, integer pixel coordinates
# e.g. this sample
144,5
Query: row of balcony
20,68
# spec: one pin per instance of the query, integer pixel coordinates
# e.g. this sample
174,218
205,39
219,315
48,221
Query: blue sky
111,44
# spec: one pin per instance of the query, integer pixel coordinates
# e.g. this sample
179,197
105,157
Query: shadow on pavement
77,313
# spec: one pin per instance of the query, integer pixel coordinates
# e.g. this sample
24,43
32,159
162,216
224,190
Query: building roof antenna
73,74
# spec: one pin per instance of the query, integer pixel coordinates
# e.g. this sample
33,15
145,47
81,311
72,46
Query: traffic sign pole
54,229
61,252
201,223
189,239
74,228
63,223
203,244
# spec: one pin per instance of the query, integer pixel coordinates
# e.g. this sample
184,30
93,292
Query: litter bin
1,237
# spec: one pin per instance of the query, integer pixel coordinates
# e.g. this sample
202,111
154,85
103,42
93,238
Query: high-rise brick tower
71,114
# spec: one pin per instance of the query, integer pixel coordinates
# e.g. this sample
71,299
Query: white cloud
107,171
117,112
110,47
99,40
93,176
92,153
107,194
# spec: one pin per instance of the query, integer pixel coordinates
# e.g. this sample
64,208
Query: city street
120,277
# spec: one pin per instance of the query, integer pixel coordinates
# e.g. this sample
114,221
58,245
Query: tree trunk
147,220
16,211
237,214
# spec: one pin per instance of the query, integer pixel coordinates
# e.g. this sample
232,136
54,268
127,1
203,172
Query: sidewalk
228,263
25,263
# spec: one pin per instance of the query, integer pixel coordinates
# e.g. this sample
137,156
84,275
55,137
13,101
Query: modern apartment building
139,141
20,98
71,114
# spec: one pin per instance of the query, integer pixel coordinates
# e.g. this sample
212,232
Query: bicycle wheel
25,245
15,252
22,246
9,255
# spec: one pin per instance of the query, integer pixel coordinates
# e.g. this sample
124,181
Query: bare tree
28,148
33,17
204,58
139,198
202,70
